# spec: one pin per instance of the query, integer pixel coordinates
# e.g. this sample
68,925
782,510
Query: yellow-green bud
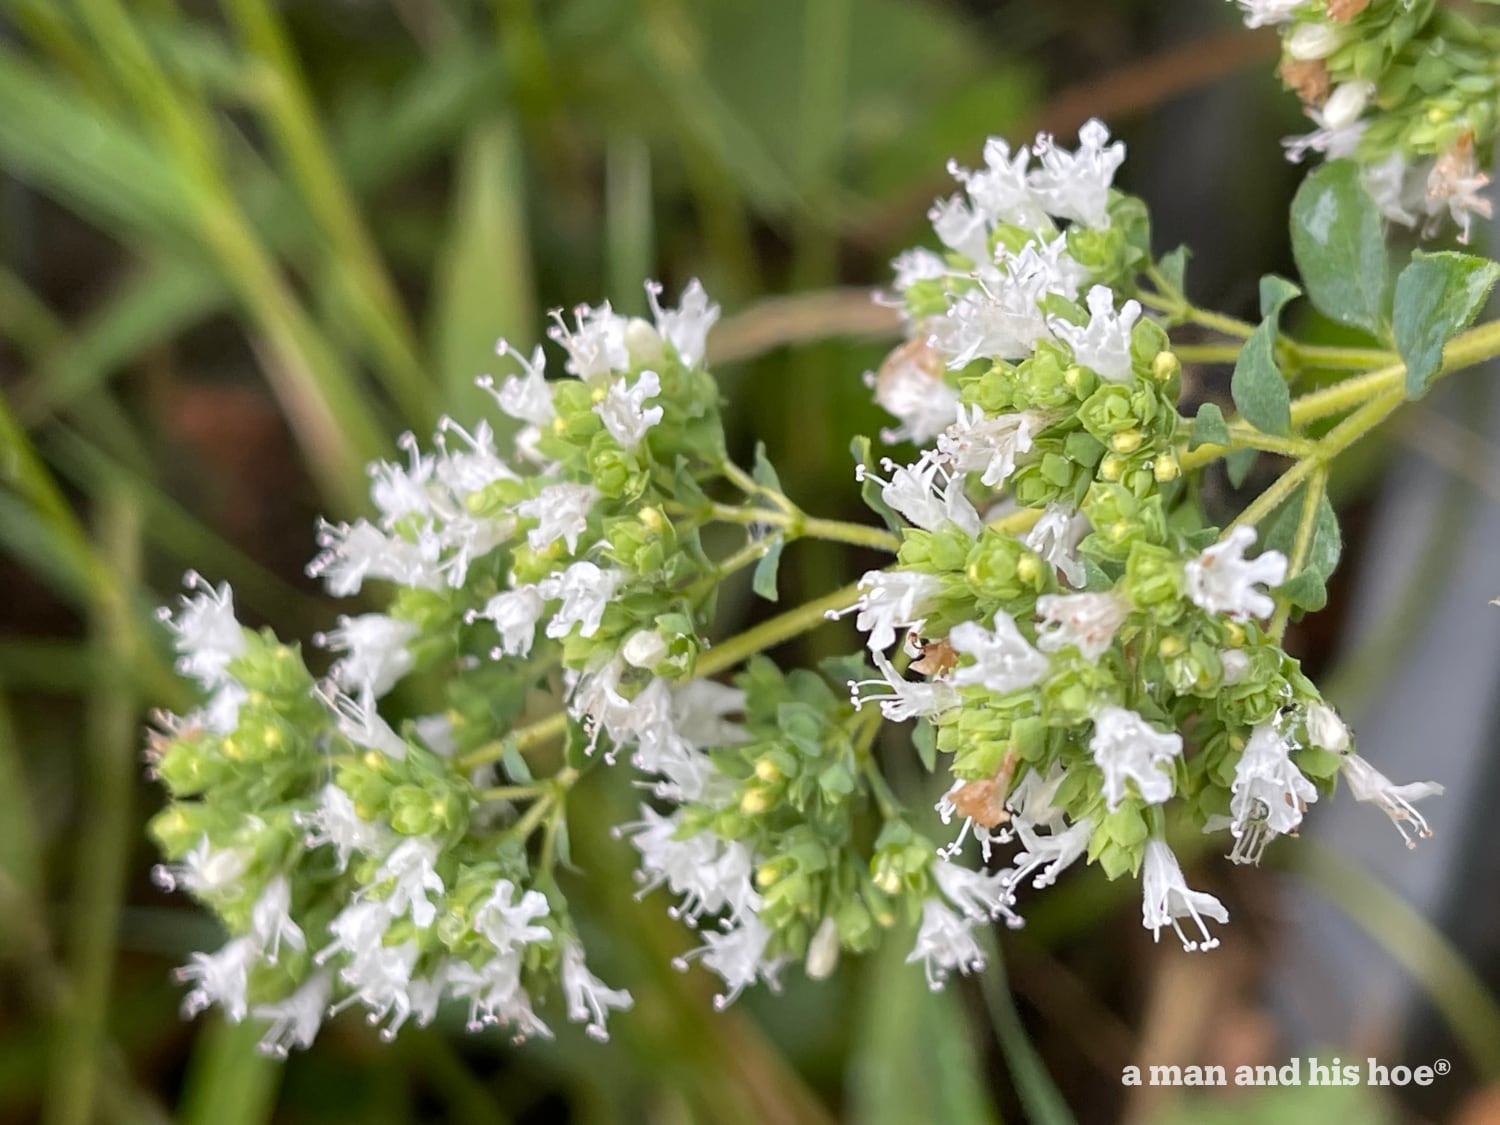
1126,441
1166,468
1165,365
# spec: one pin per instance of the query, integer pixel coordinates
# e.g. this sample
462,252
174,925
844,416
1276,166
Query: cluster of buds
1407,88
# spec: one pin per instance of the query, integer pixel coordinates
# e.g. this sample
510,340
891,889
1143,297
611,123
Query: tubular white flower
515,614
1325,729
1261,13
918,264
596,343
1055,538
1086,621
989,446
1076,185
892,600
352,553
1004,660
376,654
1103,345
1128,748
411,869
624,412
1369,784
738,956
334,822
507,922
1002,317
496,998
1165,898
1316,40
979,895
585,591
1222,580
359,721
561,512
271,920
589,1000
1268,794
945,942
910,385
926,494
220,978
295,1021
401,491
527,397
708,873
961,228
208,636
1001,191
1047,855
901,699
204,871
686,328
1345,104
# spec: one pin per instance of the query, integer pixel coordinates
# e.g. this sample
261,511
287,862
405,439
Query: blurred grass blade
20,851
629,227
485,289
913,1057
1458,993
229,1082
1039,1095
104,846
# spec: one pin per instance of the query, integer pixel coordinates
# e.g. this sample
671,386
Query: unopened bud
823,951
1165,365
1166,468
1126,441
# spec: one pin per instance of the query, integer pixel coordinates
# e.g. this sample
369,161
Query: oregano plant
1077,652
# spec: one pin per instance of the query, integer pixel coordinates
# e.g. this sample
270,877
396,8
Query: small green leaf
1437,296
1238,464
1258,387
1275,292
1339,246
764,472
1306,590
1173,268
870,488
764,582
924,738
514,764
1209,427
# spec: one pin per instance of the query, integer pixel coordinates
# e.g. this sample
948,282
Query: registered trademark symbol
1442,1066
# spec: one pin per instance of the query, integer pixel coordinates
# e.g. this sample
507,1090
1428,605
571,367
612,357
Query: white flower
358,931
624,412
589,1000
496,997
585,591
1048,855
1346,103
1076,185
1325,729
295,1021
738,955
401,491
1165,898
335,823
380,978
352,553
1334,142
506,922
204,871
1004,660
359,721
411,869
1260,13
823,950
945,942
915,265
527,397
1103,345
645,648
515,614
1369,784
1454,184
892,600
1236,665
903,699
1222,580
596,345
208,636
1128,748
465,471
376,654
686,328
911,386
561,512
1001,191
708,873
1001,318
988,446
1268,794
220,978
1055,537
926,494
1086,621
961,228
271,920
978,895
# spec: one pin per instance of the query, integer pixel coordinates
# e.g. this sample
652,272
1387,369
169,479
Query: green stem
1317,484
798,525
1355,359
1178,306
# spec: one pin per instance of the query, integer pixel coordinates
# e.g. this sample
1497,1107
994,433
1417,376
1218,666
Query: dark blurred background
243,245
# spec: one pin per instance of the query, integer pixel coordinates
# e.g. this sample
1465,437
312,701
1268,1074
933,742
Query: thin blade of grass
1043,1103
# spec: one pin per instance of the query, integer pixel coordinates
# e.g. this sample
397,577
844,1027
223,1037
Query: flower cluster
359,860
1089,652
1406,87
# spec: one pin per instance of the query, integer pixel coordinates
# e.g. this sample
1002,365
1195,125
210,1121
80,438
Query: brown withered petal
937,657
1345,10
1309,78
983,802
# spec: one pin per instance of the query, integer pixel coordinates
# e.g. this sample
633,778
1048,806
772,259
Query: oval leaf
1437,296
1339,246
